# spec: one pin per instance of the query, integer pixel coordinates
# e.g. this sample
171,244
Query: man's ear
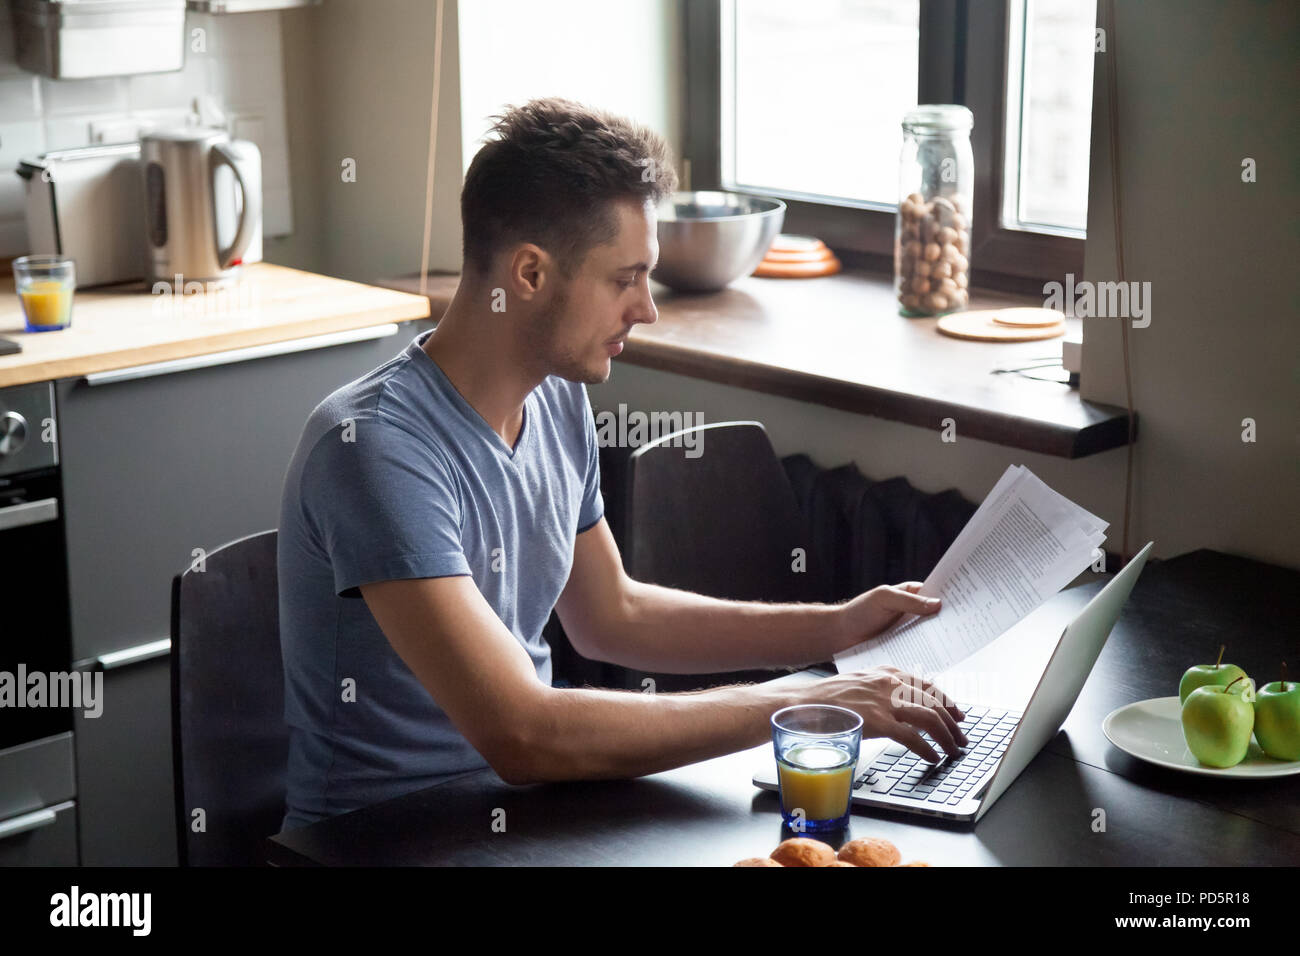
530,269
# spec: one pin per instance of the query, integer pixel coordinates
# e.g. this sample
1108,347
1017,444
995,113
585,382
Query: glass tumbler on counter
45,285
817,748
936,177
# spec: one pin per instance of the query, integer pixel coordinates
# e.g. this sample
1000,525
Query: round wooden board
979,326
797,270
813,255
1027,317
785,242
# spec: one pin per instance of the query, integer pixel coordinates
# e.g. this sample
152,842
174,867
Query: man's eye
627,285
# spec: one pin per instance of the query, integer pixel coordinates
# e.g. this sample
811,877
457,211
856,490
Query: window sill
839,341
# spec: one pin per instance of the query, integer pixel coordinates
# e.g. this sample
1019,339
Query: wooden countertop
125,325
839,341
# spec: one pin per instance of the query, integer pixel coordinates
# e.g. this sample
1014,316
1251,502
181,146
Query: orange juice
816,778
47,302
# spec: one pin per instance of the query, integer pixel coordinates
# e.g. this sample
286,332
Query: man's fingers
932,721
927,702
896,598
916,692
947,703
914,742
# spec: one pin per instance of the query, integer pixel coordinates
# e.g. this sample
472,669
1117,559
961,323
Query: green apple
1277,718
1203,675
1217,724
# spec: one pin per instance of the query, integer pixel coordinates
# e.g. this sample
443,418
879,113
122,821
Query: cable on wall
433,148
1112,117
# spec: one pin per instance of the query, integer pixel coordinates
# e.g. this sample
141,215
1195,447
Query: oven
37,776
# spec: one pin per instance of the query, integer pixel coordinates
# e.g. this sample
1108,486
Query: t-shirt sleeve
593,504
384,505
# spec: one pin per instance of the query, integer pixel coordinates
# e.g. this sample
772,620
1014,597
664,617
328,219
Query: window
822,79
804,102
1049,103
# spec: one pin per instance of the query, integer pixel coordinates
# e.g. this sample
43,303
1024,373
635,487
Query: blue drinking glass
816,748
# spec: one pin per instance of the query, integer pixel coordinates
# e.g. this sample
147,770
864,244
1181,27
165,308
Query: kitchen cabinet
47,837
124,765
159,466
38,821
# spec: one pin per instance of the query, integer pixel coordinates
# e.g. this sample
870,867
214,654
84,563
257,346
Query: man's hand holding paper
1023,544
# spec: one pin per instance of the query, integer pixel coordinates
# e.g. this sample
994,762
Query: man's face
588,318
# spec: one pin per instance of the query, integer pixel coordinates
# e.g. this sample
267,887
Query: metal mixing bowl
708,239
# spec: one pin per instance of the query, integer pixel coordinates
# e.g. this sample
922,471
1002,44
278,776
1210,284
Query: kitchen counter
127,325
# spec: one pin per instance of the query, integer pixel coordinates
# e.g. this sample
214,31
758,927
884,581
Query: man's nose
647,313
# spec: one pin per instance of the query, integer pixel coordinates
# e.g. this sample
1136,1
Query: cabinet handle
133,655
27,822
28,513
231,356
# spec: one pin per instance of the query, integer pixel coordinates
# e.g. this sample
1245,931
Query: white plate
1152,730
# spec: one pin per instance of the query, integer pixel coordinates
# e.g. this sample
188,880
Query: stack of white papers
1022,546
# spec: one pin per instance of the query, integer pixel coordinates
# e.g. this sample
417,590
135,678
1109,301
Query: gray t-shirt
397,476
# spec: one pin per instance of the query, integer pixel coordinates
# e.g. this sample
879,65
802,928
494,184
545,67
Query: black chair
230,744
724,523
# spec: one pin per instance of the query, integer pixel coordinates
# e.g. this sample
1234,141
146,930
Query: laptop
1002,740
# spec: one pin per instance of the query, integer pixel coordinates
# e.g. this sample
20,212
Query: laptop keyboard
901,773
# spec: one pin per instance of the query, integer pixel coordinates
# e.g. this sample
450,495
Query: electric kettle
198,225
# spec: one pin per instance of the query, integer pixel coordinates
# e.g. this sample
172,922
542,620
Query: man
438,508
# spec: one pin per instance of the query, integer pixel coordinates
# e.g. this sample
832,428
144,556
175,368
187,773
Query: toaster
87,203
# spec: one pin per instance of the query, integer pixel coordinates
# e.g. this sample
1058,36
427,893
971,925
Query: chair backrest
229,741
710,510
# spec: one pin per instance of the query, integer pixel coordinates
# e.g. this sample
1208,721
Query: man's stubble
545,338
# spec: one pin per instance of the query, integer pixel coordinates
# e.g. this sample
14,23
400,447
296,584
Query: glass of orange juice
816,758
44,285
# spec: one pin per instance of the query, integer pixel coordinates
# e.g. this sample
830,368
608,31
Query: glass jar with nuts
936,178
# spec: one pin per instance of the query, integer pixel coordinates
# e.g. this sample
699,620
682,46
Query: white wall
359,78
1201,86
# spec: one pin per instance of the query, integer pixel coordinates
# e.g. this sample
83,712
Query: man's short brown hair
548,174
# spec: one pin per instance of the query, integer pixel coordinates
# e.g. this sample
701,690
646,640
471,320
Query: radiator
863,533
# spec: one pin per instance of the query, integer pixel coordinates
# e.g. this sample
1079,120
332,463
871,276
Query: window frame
956,36
996,249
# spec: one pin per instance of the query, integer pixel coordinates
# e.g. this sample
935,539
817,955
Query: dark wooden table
710,814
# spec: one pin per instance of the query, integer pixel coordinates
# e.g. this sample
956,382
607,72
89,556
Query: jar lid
938,118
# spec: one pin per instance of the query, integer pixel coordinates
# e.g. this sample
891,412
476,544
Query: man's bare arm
610,617
454,643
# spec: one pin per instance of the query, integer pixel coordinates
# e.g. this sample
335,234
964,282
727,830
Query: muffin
870,851
801,851
914,863
757,861
843,863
